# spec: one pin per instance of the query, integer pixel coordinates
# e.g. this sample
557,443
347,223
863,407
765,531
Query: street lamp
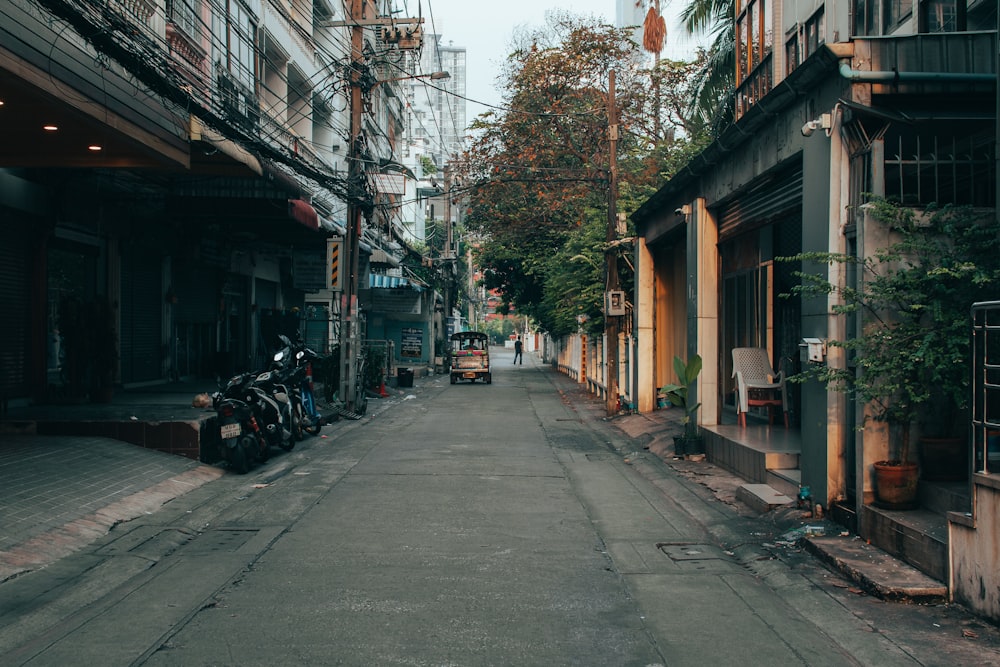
433,76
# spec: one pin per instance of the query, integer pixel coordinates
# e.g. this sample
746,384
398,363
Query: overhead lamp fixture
95,148
50,128
433,76
824,122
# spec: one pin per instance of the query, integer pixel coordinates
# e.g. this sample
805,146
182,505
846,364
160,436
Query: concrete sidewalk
874,571
60,493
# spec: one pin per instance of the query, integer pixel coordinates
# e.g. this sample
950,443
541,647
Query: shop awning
376,281
303,213
383,258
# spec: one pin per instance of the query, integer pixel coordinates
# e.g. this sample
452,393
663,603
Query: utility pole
447,254
611,252
359,83
356,193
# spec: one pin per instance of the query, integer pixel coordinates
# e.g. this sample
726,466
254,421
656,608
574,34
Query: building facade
834,102
174,176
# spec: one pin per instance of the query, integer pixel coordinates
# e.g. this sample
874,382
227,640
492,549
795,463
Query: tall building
434,132
631,13
439,104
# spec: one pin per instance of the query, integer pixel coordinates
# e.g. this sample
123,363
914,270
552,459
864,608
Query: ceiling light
94,147
50,128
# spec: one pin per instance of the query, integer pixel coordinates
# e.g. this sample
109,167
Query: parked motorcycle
276,409
293,361
243,440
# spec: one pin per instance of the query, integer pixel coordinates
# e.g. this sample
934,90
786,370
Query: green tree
540,177
912,354
715,83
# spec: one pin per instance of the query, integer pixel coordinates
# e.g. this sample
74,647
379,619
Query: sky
485,30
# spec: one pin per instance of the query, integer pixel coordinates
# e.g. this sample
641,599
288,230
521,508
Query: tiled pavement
57,491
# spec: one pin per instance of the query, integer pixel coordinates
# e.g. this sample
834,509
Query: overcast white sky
485,30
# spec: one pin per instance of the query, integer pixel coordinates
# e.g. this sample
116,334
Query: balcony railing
951,53
754,87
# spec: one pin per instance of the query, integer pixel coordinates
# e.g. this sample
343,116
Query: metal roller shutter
16,304
141,316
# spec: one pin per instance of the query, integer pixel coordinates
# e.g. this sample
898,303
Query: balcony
754,86
945,53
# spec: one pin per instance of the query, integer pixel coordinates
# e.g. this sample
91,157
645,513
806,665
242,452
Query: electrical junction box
814,349
614,303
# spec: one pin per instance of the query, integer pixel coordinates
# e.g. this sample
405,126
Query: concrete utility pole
358,196
447,255
356,193
611,253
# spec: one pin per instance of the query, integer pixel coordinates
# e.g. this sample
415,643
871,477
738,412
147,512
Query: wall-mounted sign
309,271
411,344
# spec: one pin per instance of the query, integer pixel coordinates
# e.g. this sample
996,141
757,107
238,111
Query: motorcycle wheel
294,426
311,424
237,458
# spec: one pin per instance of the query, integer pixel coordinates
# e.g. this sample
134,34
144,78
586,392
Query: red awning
302,212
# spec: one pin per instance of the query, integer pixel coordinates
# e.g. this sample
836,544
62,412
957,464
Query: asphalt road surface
465,524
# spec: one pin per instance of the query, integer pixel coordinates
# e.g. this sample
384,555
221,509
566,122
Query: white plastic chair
756,381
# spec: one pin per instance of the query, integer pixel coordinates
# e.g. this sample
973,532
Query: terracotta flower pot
896,485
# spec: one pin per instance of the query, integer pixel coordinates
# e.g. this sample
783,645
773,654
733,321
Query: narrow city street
467,524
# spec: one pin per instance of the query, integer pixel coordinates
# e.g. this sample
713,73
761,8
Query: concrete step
944,497
751,452
194,439
875,571
786,481
761,497
918,537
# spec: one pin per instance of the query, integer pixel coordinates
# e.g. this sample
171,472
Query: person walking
518,356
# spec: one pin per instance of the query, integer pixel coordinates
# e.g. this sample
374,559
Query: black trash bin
404,377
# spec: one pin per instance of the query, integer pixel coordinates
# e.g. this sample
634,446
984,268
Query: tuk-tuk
470,357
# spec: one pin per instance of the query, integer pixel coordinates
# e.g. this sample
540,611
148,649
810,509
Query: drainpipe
893,76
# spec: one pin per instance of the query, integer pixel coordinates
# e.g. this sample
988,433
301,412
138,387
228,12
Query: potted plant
909,360
683,396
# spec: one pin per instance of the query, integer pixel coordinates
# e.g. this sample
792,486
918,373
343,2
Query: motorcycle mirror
278,356
300,354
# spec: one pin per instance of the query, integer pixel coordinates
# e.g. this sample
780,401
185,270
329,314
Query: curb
50,546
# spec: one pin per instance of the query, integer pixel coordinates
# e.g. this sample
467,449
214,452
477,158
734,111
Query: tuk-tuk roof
468,334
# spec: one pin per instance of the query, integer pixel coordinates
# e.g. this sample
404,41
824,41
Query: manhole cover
222,540
699,557
681,552
148,542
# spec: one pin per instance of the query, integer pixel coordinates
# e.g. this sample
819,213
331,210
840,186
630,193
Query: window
880,17
754,36
942,15
185,16
924,166
895,11
804,40
792,59
866,17
235,42
813,33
